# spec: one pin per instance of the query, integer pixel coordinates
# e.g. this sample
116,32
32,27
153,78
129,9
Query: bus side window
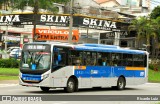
93,59
87,58
102,59
75,57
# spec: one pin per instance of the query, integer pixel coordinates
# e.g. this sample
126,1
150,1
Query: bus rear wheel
121,83
45,89
70,86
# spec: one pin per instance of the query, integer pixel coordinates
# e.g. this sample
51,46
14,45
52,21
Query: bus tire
45,89
76,88
70,85
121,83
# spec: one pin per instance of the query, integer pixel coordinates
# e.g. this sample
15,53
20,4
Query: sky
154,3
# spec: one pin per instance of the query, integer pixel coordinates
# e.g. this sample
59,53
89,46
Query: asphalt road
95,96
145,89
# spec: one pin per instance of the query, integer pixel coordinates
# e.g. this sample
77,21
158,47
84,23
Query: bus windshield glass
36,60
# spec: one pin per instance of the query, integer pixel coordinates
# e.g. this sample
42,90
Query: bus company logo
94,71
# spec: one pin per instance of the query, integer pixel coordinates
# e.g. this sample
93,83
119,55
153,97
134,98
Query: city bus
75,66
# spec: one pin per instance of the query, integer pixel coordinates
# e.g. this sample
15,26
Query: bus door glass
59,56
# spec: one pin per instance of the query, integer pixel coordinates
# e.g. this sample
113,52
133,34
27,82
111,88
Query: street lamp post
71,22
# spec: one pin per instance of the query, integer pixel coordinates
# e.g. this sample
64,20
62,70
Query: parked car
11,48
15,53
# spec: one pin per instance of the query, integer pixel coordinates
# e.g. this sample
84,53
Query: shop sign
56,35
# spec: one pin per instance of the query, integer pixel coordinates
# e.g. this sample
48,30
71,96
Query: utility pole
6,34
70,23
35,11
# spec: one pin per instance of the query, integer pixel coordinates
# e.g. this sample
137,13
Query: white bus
62,65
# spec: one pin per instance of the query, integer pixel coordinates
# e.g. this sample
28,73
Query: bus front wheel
121,83
45,89
70,86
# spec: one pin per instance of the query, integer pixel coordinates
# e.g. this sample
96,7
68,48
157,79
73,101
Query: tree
138,26
148,29
156,37
37,4
155,13
5,4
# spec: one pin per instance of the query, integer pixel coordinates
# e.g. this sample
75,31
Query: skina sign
99,24
54,20
60,20
9,19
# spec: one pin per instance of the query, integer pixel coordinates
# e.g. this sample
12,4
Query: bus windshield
35,60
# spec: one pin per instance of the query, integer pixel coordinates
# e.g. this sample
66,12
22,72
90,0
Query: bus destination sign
36,47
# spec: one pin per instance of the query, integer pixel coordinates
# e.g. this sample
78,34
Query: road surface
96,96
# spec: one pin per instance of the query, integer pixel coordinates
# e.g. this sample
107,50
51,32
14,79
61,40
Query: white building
132,7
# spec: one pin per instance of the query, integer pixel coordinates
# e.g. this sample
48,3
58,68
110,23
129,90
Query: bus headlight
45,76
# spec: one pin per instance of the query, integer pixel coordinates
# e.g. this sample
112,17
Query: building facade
94,13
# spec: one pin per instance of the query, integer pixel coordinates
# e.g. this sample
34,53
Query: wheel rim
71,85
121,84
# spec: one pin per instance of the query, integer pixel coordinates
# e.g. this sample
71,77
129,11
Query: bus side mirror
59,58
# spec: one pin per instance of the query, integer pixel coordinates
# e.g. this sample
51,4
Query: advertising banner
63,21
55,35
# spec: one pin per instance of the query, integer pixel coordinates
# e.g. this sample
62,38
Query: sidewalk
9,81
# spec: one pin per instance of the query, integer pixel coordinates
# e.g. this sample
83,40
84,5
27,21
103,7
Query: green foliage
9,71
149,30
37,4
143,27
151,66
9,63
153,76
8,77
155,13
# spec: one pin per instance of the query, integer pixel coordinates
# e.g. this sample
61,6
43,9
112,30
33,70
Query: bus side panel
103,82
133,76
104,76
95,76
135,81
60,77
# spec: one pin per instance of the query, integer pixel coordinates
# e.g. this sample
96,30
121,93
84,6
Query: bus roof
102,45
101,48
96,47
